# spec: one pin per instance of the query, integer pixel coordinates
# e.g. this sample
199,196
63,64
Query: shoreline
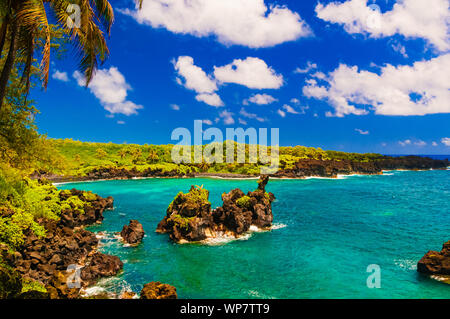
231,176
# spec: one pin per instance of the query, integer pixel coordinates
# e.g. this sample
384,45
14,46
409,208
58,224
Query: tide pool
327,232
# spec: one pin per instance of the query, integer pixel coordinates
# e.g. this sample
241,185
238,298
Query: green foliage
32,285
244,202
180,221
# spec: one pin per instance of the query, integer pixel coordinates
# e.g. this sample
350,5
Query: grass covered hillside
80,158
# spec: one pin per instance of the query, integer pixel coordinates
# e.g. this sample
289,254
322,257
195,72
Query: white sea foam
406,264
278,226
257,294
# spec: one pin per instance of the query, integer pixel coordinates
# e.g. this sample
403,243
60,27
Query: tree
152,157
24,21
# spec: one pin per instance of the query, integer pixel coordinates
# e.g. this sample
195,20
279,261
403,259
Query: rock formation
133,232
436,263
46,259
189,217
157,290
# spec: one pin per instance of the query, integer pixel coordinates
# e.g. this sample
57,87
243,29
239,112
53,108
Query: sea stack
189,217
133,232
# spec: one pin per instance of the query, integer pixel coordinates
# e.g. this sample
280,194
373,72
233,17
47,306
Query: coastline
232,176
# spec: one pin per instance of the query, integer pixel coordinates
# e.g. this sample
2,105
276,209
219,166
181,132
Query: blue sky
346,75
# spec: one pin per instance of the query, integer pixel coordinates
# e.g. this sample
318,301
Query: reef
189,217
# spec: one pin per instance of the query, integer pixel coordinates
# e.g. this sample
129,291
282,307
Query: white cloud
175,107
260,99
405,142
295,101
227,117
420,89
362,132
121,122
246,114
207,122
249,23
309,66
398,47
241,121
197,80
194,77
62,76
434,144
411,18
111,88
281,113
420,143
210,99
252,72
289,109
446,141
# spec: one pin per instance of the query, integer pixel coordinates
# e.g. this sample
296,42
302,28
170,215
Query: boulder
100,265
436,263
133,232
157,290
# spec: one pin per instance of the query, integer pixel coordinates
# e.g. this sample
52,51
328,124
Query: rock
436,263
100,266
189,217
57,287
133,232
127,295
34,295
157,290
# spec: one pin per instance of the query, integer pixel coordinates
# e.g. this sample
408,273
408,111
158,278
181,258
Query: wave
223,238
257,294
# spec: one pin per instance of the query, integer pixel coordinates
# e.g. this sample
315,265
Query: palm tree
23,22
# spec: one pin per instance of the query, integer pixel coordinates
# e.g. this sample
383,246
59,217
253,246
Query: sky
353,75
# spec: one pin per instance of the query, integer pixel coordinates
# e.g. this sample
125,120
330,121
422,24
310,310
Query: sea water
326,233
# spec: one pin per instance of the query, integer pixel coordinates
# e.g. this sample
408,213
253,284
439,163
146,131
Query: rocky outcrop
132,233
10,283
46,259
189,217
157,290
99,266
436,263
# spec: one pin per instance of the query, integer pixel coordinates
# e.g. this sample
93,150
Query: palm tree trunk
4,77
3,30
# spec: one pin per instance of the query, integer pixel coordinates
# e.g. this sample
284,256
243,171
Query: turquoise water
328,232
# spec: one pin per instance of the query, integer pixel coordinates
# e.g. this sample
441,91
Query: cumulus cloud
420,89
252,72
434,144
111,88
411,18
281,113
260,99
405,142
246,114
233,22
242,122
309,66
420,143
289,109
210,99
175,107
227,117
207,122
446,141
362,132
194,78
61,76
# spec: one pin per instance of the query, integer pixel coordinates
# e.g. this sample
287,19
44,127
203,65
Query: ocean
326,234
